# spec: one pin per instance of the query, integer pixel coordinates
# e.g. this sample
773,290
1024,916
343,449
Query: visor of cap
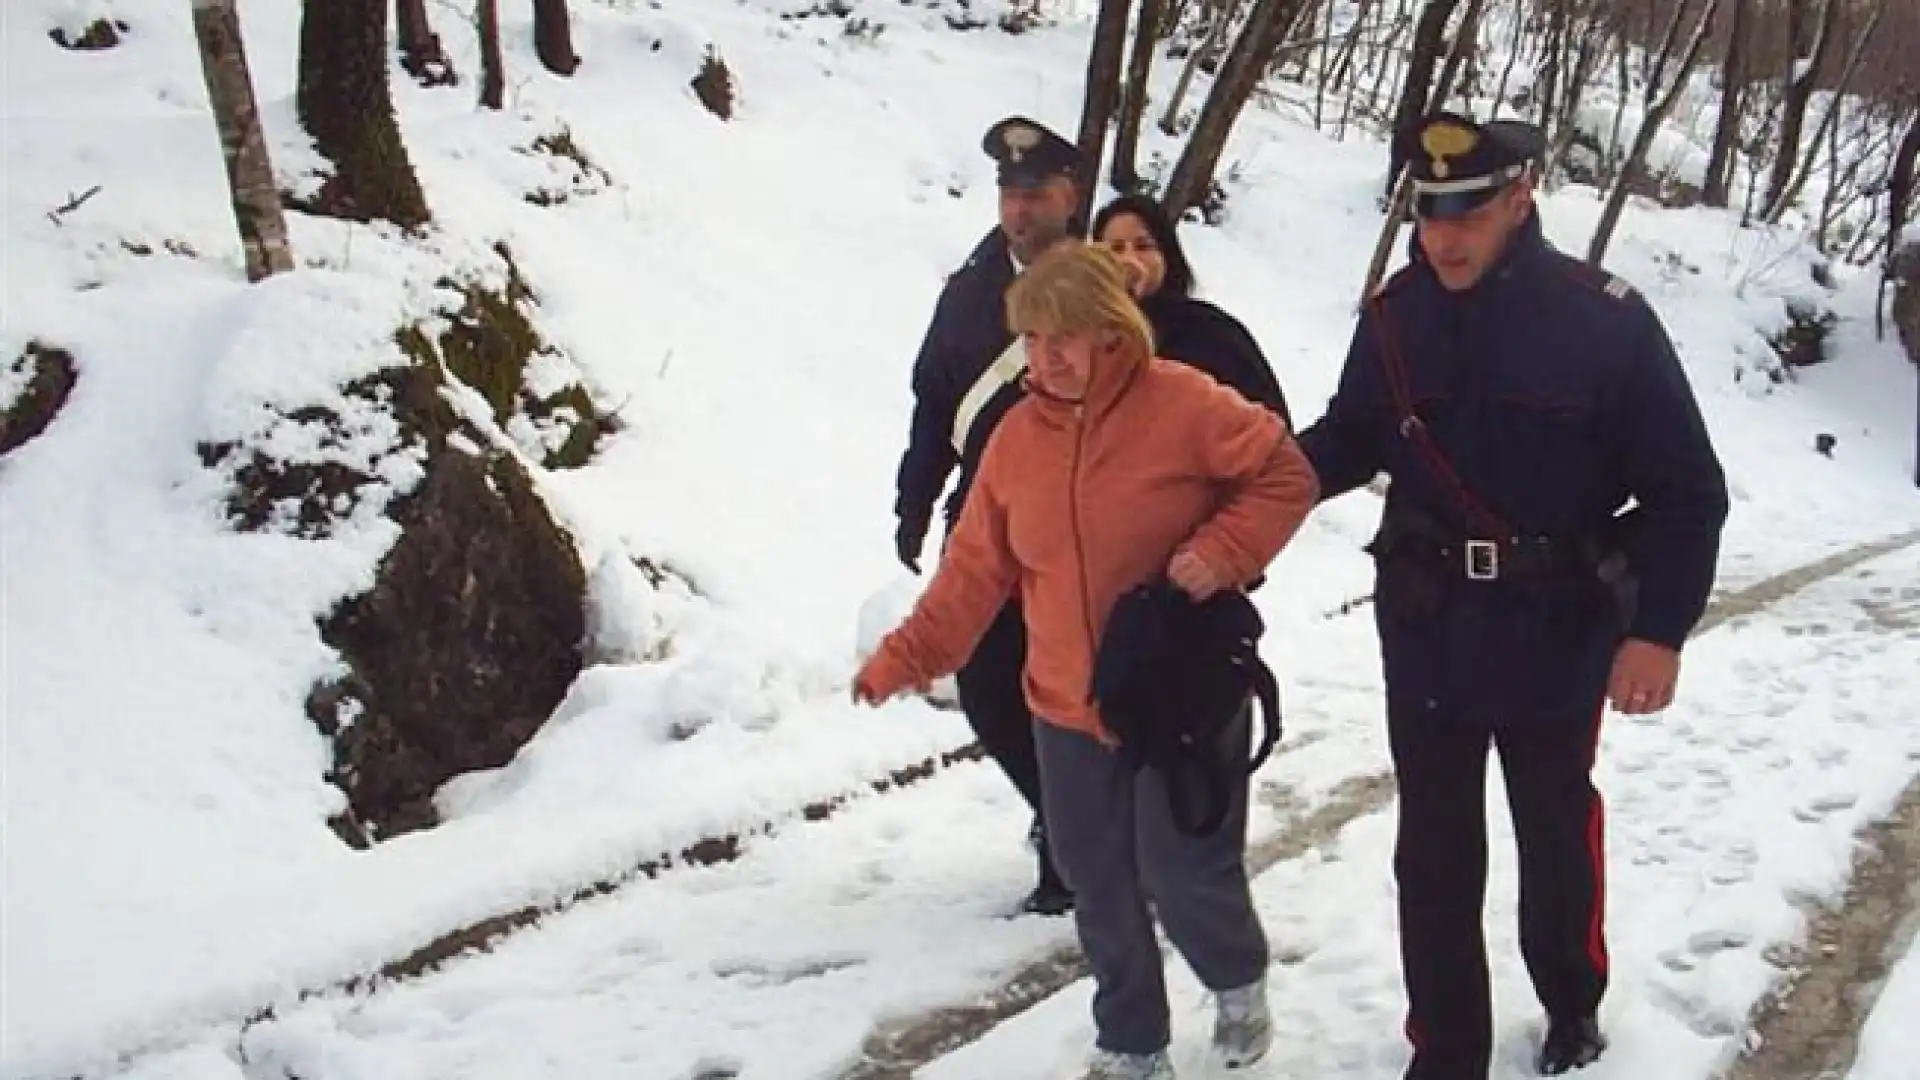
1453,204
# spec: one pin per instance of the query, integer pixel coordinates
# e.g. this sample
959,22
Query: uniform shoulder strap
1006,368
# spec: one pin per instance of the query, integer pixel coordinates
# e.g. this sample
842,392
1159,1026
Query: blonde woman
1117,468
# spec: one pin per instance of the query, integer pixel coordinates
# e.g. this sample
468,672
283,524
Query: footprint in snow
1819,809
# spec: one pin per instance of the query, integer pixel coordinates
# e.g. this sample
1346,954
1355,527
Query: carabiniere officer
1519,401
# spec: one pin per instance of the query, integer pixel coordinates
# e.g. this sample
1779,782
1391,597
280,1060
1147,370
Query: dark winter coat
1555,393
1198,333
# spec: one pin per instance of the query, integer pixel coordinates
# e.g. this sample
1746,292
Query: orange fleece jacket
1075,504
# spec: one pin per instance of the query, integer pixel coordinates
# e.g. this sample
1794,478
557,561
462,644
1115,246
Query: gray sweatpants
1116,845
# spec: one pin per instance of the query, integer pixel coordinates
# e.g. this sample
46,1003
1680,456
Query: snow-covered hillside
751,293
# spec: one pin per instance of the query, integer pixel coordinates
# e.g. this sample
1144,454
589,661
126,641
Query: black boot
1051,896
1570,1044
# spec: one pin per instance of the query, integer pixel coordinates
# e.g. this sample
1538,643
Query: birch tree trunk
256,201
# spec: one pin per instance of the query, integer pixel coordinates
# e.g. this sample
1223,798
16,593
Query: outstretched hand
1194,576
1644,678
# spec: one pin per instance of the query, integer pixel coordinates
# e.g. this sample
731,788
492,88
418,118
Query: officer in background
1518,400
966,378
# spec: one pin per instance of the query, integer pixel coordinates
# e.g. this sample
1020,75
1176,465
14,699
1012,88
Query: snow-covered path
1792,732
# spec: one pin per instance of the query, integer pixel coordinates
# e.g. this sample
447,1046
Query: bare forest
1793,112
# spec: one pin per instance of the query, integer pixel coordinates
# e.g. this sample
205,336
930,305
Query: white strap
1005,369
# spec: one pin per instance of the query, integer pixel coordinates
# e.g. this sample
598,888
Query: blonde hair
1075,288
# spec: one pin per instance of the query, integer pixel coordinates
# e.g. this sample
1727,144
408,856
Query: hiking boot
1569,1045
1107,1065
1243,1026
1049,898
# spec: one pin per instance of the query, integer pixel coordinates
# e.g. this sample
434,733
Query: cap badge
1019,139
1443,141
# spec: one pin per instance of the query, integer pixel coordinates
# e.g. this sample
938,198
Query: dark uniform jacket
1556,395
969,331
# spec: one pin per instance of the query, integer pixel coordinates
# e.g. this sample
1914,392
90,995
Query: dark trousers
1115,840
1440,865
995,700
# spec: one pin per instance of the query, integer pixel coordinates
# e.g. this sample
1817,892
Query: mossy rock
466,644
487,344
49,374
474,628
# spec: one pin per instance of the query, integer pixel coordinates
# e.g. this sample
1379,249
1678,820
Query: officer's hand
1644,677
1193,576
907,540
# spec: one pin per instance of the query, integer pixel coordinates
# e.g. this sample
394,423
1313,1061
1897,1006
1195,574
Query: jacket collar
1112,377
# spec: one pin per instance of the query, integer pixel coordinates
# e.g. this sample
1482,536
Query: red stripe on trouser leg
1597,850
1597,855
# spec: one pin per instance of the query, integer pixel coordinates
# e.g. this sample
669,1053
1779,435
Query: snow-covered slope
753,292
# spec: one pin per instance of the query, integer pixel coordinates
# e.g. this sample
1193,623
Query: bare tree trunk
553,37
256,200
1102,93
1802,79
493,67
1586,54
1266,28
1402,197
1788,195
1216,36
345,104
1429,35
1125,173
1900,188
420,52
1513,57
1548,77
1650,124
1733,76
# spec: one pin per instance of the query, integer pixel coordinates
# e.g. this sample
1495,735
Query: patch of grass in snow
581,177
96,36
713,85
33,387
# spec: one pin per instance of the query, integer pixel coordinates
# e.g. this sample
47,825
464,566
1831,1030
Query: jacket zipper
1079,544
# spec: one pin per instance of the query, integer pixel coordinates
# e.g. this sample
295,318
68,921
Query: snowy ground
753,292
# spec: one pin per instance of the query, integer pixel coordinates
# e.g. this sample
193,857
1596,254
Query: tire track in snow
1809,1025
898,1048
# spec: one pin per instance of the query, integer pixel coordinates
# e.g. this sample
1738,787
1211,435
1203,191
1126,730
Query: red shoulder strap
1414,430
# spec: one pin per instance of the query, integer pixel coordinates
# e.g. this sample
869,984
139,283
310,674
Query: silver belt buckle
1483,560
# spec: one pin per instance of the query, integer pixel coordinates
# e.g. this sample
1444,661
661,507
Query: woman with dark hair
1185,328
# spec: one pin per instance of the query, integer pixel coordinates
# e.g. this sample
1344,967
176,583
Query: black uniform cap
1029,155
1457,165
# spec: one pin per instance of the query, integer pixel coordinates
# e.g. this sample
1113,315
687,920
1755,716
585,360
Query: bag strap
1414,430
1214,790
